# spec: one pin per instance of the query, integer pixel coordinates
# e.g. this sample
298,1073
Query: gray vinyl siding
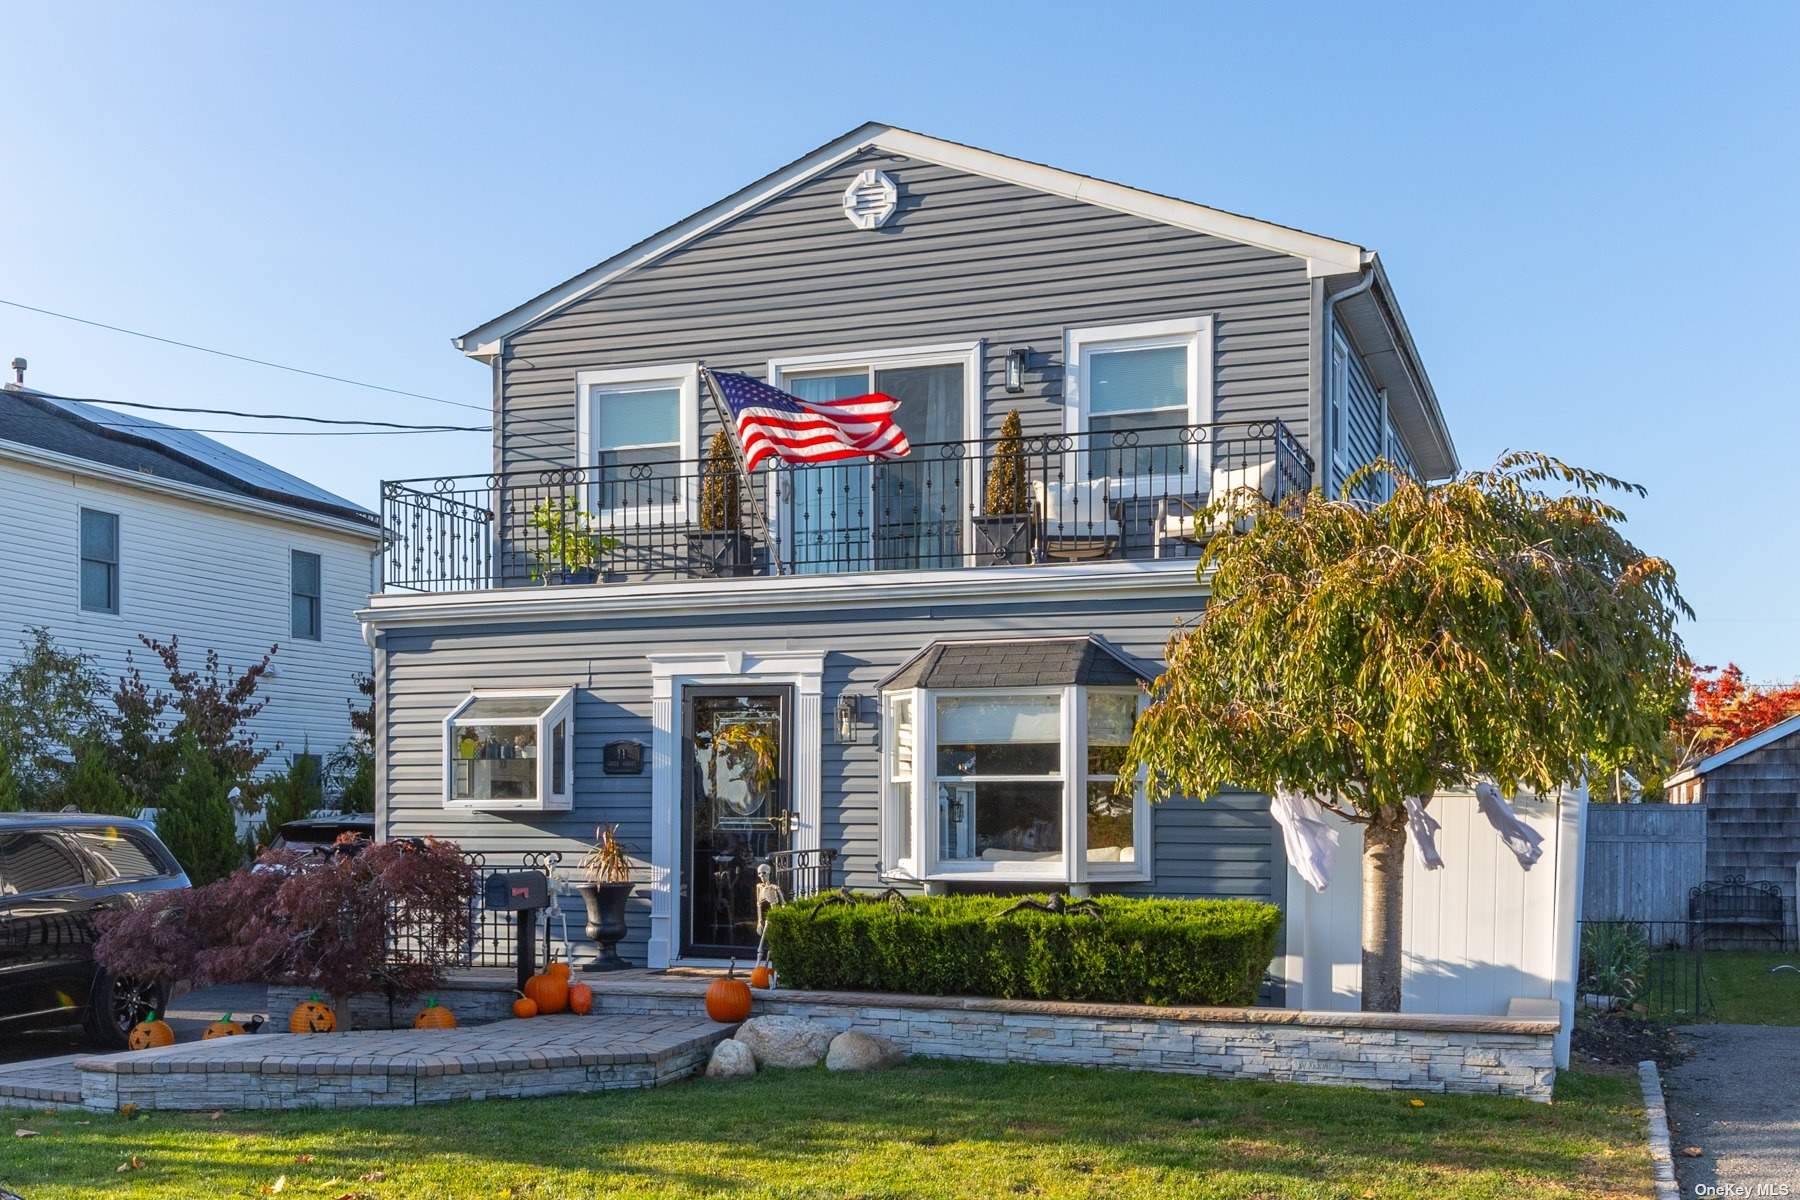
1221,848
965,258
1365,425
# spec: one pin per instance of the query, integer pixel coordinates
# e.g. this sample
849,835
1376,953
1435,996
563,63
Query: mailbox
517,891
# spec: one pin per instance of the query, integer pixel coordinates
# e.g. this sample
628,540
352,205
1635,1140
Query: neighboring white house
113,526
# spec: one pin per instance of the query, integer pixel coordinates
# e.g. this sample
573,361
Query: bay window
1018,783
510,750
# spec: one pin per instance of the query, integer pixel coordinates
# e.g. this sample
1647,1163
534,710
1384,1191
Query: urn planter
606,921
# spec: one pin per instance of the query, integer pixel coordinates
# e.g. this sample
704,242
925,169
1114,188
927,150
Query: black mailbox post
525,894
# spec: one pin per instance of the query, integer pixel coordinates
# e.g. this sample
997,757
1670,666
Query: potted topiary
720,547
566,549
608,868
1003,532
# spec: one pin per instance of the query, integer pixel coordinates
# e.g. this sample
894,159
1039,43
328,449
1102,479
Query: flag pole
758,513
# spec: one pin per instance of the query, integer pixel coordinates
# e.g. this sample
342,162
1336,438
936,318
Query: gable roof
1737,750
1324,256
137,445
1018,662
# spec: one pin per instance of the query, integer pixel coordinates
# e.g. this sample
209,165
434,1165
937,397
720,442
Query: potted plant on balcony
1003,531
720,547
565,549
608,868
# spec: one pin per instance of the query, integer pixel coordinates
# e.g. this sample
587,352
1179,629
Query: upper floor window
638,432
1134,389
99,561
305,617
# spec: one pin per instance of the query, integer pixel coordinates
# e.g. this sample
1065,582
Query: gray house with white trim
883,664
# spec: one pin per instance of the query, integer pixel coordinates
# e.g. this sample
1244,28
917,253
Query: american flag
771,422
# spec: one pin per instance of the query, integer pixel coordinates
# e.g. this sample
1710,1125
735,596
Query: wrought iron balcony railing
1073,497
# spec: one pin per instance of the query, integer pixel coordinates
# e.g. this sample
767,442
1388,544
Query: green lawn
1744,993
924,1130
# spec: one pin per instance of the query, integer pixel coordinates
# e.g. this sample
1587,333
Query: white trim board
1323,255
969,585
672,672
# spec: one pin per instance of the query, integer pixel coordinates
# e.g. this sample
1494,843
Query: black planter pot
722,553
1003,540
606,921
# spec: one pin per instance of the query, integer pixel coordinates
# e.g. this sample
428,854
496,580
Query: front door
736,806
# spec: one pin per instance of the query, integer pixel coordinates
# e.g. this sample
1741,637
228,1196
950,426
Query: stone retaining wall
1405,1051
1426,1053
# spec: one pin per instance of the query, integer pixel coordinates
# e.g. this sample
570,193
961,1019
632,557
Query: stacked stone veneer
1414,1052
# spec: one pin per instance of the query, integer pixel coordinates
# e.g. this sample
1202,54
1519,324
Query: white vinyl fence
1480,933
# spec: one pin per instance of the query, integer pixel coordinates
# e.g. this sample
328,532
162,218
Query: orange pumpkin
728,998
312,1015
581,999
557,970
150,1032
223,1027
761,976
524,1007
550,992
434,1016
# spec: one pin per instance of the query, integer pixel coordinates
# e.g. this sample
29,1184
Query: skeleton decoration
768,895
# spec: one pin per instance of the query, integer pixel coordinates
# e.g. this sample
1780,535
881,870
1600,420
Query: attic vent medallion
871,199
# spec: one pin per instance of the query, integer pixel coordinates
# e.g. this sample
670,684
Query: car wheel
116,1004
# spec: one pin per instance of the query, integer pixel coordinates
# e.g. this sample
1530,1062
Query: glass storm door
736,810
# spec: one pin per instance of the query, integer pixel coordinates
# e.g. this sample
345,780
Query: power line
255,416
416,429
261,362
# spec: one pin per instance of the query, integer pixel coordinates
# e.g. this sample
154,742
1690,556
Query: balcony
1079,497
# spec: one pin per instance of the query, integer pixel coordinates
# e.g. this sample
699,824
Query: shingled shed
1751,791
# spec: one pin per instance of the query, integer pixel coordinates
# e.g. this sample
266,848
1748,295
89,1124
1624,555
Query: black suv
57,872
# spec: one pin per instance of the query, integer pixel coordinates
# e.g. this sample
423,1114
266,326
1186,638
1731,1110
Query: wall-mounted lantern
849,716
1015,368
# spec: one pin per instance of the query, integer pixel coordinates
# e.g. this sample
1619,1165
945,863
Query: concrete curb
1662,1159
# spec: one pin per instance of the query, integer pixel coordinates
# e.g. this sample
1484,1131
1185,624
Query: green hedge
1137,952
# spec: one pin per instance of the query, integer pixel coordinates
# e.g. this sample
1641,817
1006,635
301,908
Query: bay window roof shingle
1019,662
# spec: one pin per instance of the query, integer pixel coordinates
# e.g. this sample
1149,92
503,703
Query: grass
921,1130
1744,993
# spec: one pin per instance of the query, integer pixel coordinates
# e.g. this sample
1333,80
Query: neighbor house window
1021,784
99,561
638,435
304,614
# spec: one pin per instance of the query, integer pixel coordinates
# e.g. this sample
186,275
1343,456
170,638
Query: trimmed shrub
1150,951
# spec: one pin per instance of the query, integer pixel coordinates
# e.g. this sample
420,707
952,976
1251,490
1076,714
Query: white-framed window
638,433
99,580
510,750
1132,390
305,611
1337,414
996,784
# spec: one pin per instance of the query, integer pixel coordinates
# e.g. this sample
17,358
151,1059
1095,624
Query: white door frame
972,356
670,675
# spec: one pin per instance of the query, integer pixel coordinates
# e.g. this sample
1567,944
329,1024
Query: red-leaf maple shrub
1724,710
328,925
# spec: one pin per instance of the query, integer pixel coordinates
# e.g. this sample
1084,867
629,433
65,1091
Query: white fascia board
1737,750
1323,255
51,460
971,585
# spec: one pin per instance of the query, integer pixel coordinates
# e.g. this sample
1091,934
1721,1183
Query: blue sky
1587,211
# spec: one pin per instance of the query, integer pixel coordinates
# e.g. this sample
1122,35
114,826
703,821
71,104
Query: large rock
730,1059
853,1051
784,1041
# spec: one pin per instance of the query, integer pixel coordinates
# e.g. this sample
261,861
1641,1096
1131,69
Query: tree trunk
1383,874
340,1008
